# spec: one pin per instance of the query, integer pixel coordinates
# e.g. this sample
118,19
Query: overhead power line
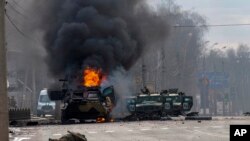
213,25
14,25
14,9
17,4
20,31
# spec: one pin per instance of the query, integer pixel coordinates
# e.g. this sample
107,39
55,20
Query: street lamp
206,108
215,44
205,51
206,42
189,37
190,34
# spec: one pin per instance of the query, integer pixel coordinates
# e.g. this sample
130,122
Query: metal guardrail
19,114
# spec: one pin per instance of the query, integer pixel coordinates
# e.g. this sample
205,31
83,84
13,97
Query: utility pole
22,95
4,116
143,71
169,6
34,95
163,79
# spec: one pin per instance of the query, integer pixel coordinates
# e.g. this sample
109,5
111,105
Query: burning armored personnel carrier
85,100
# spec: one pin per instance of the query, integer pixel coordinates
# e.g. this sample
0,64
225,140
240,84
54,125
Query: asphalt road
215,130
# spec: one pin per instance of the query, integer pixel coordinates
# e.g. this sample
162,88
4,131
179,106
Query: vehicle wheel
141,118
39,114
64,117
108,118
164,114
134,118
82,121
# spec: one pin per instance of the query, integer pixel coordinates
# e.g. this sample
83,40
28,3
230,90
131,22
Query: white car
45,105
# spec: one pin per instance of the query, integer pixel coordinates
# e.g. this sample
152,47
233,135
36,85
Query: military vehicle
176,103
146,106
154,106
84,103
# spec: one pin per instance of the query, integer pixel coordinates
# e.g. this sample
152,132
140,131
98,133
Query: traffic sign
217,80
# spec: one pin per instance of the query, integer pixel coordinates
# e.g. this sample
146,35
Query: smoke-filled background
106,34
137,42
102,34
133,39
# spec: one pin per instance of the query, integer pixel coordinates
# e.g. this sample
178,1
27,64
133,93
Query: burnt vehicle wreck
85,100
155,106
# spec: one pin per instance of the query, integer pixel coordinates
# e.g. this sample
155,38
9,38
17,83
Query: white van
45,105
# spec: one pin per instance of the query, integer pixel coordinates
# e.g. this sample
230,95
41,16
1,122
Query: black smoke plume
104,34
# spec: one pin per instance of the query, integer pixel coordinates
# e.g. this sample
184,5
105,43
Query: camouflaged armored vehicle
154,106
149,106
176,103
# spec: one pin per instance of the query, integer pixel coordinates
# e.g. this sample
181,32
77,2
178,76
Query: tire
39,113
64,118
82,121
107,118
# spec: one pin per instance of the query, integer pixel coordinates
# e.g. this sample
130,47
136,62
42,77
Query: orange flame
92,77
100,120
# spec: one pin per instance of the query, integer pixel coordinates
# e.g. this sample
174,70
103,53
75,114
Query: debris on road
196,116
247,114
72,136
11,131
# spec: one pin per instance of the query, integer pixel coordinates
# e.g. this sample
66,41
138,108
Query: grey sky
223,12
